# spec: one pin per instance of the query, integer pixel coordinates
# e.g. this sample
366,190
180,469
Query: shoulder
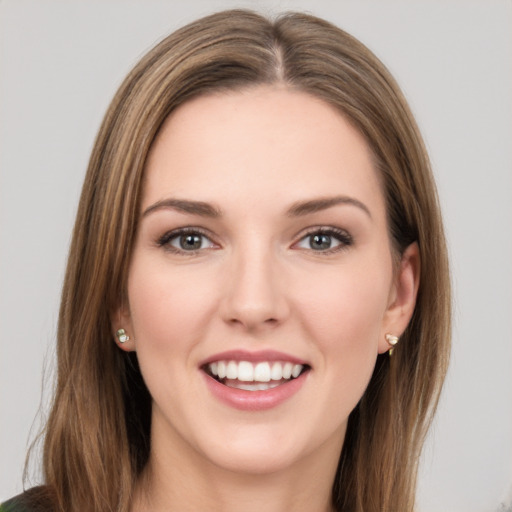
36,499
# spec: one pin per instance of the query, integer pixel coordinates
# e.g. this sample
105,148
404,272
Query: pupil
190,241
321,241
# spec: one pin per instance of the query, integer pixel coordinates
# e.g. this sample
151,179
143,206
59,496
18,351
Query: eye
325,240
186,240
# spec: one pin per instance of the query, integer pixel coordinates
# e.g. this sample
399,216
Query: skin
258,282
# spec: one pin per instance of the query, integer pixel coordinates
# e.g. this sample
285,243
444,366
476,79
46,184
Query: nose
254,296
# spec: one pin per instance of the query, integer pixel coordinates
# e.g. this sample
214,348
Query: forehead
249,145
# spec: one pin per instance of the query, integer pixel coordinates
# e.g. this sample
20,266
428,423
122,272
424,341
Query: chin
263,451
257,462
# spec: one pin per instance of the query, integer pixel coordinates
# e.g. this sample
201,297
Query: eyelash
165,240
343,237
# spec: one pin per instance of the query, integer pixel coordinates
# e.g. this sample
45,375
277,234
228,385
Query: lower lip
255,400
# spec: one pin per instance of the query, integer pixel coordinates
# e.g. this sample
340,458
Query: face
261,284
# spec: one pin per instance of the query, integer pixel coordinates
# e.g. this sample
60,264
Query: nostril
253,322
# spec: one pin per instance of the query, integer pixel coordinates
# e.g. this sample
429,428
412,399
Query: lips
254,381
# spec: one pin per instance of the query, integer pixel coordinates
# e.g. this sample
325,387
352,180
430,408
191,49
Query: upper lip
253,357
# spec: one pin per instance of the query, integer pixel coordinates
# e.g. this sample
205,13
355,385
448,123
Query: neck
186,482
272,493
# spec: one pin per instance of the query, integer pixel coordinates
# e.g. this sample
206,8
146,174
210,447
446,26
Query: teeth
276,372
259,386
287,370
245,371
263,372
297,368
231,370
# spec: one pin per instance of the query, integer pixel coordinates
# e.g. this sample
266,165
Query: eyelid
344,238
164,240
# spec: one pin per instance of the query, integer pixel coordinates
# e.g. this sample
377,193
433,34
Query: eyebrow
298,209
301,208
185,206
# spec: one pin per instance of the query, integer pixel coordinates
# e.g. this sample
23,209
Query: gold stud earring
392,341
122,337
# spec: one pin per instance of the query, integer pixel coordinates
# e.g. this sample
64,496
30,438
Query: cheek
169,316
343,318
345,307
167,309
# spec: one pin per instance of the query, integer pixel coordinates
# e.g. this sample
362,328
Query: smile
254,381
250,376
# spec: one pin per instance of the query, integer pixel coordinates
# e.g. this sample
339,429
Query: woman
258,231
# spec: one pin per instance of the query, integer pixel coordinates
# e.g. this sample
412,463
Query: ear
402,299
121,319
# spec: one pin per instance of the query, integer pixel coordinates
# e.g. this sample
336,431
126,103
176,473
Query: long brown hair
98,433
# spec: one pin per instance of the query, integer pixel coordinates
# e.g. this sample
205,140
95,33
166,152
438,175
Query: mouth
254,376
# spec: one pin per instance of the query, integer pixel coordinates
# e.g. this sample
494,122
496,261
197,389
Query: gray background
60,63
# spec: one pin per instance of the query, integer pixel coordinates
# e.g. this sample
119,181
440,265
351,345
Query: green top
33,500
14,505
